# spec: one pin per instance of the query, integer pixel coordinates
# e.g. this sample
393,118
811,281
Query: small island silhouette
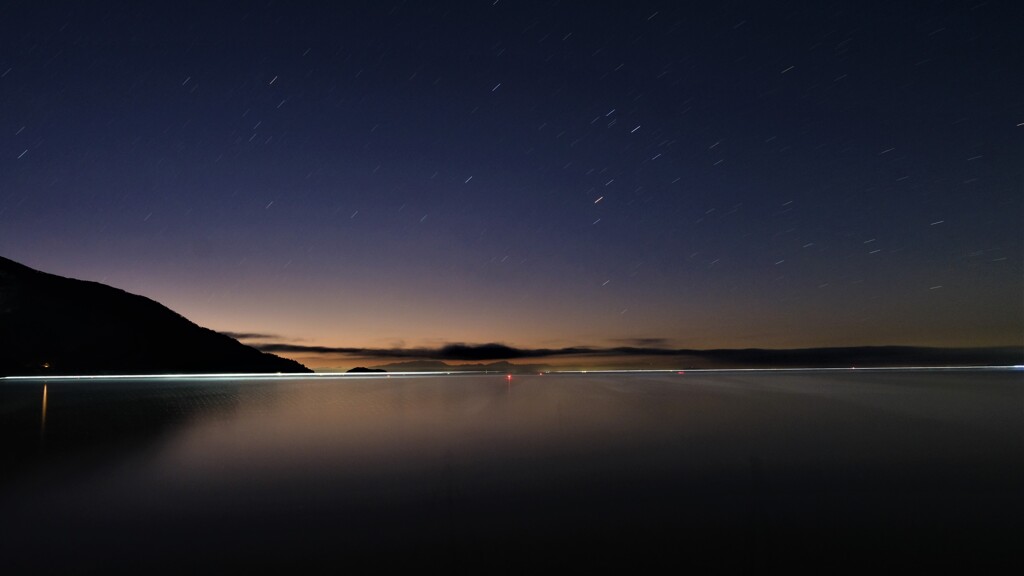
365,370
50,324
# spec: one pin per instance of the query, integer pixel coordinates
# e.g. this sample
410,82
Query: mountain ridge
51,324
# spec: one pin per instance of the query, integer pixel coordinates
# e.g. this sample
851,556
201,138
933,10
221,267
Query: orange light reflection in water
42,429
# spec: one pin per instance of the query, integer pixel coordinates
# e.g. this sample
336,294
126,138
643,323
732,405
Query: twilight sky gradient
539,174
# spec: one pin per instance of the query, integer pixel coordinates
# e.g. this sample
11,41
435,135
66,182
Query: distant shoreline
597,359
384,375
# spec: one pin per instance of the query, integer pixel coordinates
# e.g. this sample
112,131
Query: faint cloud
643,342
250,335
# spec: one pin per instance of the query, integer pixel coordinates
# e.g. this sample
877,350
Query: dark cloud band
250,335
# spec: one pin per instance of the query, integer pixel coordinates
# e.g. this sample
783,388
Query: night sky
536,174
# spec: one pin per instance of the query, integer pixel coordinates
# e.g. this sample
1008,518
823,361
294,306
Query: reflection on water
720,472
42,425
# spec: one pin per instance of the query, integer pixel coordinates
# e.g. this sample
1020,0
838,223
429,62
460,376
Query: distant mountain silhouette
55,325
364,370
876,356
647,357
440,366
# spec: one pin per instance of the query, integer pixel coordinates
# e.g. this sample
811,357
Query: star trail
393,175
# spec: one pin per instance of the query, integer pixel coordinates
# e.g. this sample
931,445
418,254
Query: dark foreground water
718,472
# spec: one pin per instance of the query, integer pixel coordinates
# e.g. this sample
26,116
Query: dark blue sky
532,173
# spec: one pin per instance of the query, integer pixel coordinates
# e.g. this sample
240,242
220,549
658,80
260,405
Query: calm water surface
722,472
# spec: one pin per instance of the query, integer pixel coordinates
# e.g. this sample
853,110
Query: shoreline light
379,375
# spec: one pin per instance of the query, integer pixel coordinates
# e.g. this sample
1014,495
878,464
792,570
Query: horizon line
494,351
379,375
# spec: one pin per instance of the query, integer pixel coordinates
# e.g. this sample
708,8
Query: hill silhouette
441,366
55,325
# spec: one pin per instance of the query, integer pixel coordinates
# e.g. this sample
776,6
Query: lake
720,472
